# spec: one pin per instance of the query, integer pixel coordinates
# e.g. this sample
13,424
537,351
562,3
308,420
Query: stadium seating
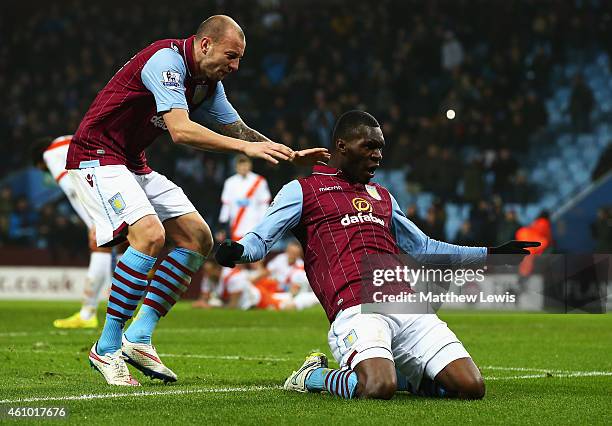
571,161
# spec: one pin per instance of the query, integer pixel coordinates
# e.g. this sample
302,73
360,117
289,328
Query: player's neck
198,73
337,163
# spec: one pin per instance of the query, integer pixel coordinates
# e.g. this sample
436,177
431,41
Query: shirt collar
188,55
325,170
320,169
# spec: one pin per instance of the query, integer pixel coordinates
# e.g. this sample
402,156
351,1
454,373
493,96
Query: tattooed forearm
240,130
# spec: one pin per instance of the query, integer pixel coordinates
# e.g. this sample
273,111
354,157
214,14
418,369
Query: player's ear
340,145
205,44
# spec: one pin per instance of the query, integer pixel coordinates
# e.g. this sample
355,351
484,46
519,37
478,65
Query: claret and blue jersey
337,223
126,116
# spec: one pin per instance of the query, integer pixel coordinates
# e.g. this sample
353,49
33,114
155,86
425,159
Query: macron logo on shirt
330,188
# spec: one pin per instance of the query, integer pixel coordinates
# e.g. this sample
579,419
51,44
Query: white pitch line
555,372
217,329
161,330
553,376
85,397
265,388
547,372
229,357
140,394
197,356
46,332
540,370
493,367
14,334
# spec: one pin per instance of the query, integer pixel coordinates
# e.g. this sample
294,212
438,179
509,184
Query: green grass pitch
539,369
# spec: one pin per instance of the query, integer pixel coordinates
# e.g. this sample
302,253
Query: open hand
311,156
269,151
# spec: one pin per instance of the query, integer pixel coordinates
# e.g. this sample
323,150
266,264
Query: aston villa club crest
373,192
350,339
117,203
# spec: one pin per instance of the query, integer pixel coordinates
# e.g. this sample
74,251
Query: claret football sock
128,285
337,382
170,281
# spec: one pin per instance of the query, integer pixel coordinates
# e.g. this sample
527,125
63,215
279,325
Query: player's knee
200,240
473,388
150,240
206,242
194,235
155,239
147,235
379,388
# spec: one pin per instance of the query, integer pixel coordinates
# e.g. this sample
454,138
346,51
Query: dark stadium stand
524,138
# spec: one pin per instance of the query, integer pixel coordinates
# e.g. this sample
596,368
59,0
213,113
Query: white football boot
297,380
112,367
144,357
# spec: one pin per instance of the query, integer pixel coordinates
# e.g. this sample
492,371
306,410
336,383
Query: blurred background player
50,154
251,288
209,286
288,269
244,199
244,287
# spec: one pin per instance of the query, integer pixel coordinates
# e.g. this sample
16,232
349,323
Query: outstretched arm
164,76
239,130
184,131
411,240
283,214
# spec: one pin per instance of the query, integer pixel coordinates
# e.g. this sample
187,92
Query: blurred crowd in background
406,62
